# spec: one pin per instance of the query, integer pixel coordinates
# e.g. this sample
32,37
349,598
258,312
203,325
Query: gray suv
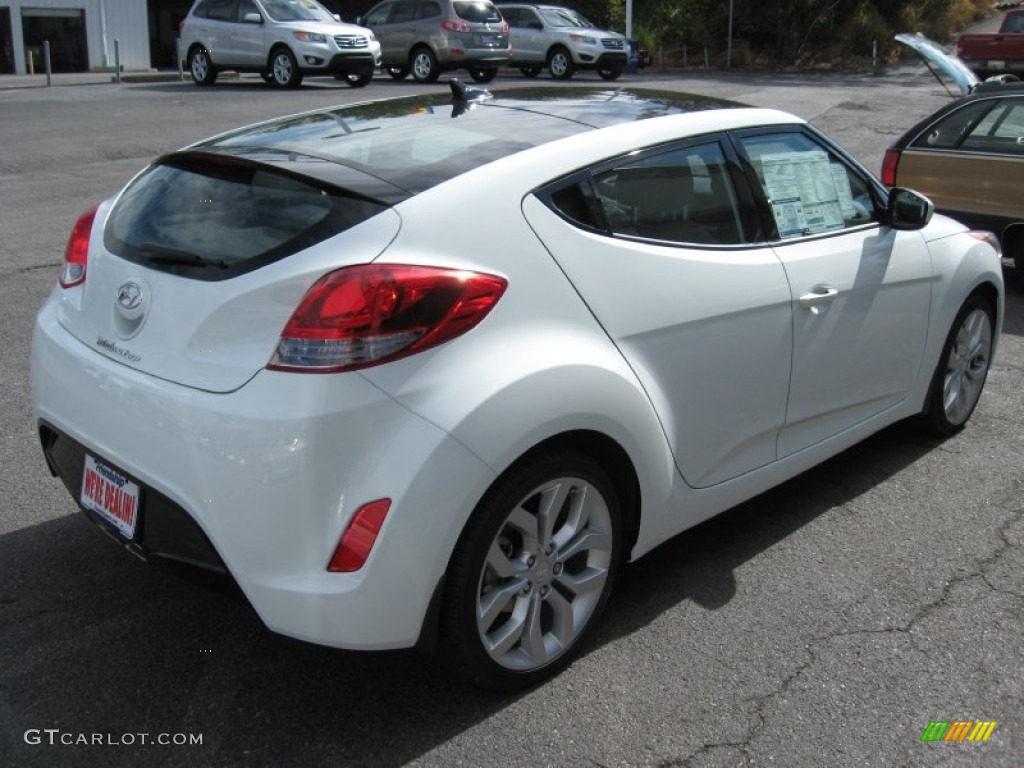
427,37
562,40
281,39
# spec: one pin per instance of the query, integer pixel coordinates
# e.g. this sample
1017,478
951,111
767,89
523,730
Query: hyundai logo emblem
129,296
130,302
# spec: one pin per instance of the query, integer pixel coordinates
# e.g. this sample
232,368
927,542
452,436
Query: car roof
392,149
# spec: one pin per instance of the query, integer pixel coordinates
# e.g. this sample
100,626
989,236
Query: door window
378,15
809,189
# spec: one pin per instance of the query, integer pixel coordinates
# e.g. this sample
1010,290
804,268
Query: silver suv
427,37
562,40
281,39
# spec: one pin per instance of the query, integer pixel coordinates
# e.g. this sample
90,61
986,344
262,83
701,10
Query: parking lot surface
826,622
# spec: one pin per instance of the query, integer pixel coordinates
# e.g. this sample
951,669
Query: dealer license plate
110,495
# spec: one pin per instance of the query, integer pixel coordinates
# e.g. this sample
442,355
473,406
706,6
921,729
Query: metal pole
728,50
181,68
117,60
46,60
629,19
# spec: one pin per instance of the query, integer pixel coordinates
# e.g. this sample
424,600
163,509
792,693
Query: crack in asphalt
761,702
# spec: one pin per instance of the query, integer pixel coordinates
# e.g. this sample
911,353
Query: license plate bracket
111,496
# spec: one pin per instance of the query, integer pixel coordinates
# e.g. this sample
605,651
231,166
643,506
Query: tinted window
403,12
809,188
218,10
378,15
246,6
238,215
428,10
1000,130
683,196
949,132
477,13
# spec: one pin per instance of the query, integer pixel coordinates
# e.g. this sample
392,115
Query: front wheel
201,67
531,571
483,74
960,376
560,64
424,66
531,71
609,74
284,70
398,73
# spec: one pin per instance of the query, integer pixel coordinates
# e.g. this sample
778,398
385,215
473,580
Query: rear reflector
359,537
76,255
374,313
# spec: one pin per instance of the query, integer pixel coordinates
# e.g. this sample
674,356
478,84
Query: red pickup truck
996,52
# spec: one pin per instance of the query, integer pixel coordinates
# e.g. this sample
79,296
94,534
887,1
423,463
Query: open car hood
937,60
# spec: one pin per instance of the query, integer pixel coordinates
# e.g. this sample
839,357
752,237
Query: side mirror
359,21
535,25
252,18
909,210
337,16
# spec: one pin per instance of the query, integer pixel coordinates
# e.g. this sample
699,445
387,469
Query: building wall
123,20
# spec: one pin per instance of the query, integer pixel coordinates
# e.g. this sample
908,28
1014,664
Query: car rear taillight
374,313
76,255
456,26
889,163
359,537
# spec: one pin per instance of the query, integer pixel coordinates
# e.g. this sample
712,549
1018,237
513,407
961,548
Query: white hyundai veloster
428,370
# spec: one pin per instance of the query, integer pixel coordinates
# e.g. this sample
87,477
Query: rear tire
963,366
357,81
531,571
201,67
483,74
609,74
423,65
531,71
398,73
284,69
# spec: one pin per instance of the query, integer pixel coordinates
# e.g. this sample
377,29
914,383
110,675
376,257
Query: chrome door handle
822,294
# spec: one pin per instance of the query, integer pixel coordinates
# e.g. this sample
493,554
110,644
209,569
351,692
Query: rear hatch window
477,13
211,218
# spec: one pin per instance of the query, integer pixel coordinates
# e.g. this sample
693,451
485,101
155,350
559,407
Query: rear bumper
268,476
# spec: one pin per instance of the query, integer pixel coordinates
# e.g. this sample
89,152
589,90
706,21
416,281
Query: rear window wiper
165,254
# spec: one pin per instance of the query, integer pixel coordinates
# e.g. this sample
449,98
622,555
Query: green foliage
797,32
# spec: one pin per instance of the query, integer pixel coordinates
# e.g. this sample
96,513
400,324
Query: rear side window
682,196
949,132
210,220
1001,130
477,13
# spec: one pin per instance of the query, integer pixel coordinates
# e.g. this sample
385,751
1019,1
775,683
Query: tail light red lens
375,313
359,537
889,163
76,255
456,26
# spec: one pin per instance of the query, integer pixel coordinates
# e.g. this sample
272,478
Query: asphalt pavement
825,623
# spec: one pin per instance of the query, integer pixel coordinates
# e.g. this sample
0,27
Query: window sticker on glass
802,192
842,180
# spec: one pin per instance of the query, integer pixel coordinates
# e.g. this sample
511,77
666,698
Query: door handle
821,294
